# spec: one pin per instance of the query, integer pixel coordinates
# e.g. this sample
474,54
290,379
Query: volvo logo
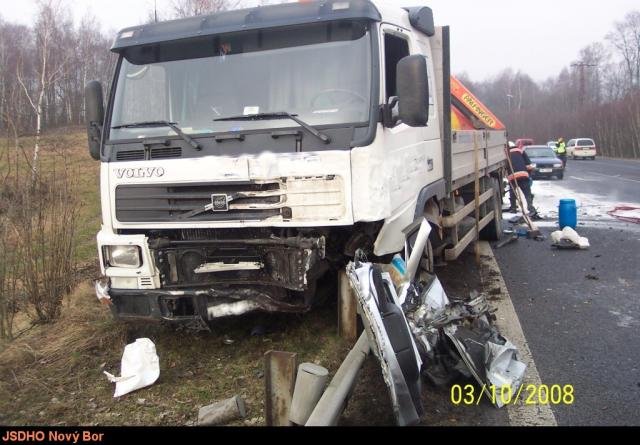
142,172
220,203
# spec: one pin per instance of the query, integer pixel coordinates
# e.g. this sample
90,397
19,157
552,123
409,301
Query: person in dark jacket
520,176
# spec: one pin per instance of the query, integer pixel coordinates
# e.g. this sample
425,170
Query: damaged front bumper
195,305
203,279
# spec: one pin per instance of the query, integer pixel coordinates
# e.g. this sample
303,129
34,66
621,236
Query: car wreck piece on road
430,334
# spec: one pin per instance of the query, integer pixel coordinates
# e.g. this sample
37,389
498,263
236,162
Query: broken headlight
122,256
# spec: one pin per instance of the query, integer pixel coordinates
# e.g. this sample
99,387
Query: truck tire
493,230
426,267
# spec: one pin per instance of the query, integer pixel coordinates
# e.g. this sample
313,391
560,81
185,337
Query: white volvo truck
246,156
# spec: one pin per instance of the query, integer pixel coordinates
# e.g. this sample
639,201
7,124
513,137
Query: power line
581,66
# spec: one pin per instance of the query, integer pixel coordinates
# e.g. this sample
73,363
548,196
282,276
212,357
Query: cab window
396,48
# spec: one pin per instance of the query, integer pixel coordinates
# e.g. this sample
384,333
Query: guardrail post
279,378
309,387
347,309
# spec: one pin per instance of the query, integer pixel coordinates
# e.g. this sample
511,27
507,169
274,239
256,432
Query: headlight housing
128,257
557,165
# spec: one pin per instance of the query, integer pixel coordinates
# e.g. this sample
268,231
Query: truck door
413,153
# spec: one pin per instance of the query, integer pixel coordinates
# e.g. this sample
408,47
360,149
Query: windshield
585,143
540,152
322,73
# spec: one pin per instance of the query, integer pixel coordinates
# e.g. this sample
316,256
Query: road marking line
509,326
582,179
616,177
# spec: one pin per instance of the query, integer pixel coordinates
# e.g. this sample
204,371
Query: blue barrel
568,213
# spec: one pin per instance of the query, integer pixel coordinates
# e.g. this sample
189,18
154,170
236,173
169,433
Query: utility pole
581,66
509,97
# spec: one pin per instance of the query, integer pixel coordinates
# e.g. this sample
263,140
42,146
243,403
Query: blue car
546,162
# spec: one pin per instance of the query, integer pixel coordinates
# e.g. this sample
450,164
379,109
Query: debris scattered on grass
228,341
140,367
222,412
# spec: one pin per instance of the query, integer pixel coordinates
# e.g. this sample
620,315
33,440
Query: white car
581,148
552,144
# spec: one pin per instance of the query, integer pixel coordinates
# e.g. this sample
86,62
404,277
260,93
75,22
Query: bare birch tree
625,38
48,13
188,8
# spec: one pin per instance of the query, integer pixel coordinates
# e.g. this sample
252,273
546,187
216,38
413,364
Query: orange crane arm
467,103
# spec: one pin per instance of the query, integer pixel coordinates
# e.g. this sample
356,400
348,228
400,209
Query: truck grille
154,153
177,202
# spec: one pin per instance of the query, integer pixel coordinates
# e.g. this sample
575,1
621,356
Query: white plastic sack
571,236
140,367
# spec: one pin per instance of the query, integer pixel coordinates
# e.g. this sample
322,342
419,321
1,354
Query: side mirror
94,112
412,86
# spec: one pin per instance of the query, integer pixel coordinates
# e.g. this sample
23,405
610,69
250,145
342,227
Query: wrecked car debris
447,338
390,339
140,367
506,241
480,351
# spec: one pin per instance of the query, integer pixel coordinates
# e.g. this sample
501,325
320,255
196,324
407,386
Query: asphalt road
614,180
580,310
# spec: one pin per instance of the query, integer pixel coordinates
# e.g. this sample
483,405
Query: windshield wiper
173,125
277,115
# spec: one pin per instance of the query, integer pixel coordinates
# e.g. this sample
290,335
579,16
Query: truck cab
246,155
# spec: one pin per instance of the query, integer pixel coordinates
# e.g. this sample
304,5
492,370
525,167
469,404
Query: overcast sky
539,37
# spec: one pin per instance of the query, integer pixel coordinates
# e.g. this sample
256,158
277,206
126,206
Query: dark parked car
547,163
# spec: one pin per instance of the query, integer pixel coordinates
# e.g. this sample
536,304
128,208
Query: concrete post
279,379
347,309
329,407
222,412
308,390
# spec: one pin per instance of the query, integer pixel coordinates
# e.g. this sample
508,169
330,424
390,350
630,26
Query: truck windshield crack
173,125
278,115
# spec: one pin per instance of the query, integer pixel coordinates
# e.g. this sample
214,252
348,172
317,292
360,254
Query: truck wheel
426,267
493,231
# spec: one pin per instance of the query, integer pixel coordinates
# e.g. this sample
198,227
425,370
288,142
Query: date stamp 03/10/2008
467,395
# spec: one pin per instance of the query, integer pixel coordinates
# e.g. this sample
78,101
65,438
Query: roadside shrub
38,217
10,262
46,217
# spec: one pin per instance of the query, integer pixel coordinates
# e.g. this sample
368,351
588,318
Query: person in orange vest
521,167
